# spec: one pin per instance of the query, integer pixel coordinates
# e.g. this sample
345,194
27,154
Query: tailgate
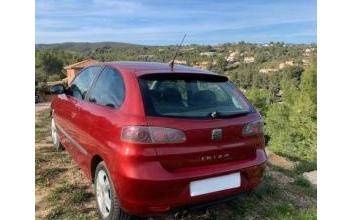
208,141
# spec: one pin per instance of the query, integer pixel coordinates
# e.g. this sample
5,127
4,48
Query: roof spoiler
187,76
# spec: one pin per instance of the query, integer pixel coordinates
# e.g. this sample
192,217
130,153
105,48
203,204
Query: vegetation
291,124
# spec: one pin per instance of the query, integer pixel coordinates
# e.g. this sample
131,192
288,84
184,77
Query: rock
311,177
279,161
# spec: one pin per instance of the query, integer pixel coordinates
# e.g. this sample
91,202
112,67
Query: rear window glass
191,97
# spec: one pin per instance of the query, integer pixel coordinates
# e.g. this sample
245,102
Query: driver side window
109,89
82,82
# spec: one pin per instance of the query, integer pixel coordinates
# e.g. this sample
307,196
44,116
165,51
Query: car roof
142,68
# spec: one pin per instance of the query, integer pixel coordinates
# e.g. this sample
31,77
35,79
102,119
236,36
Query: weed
303,182
80,196
306,166
55,213
48,175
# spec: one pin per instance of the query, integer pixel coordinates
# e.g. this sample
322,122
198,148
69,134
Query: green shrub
260,98
292,124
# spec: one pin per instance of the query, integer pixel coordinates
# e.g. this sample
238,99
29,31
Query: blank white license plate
215,184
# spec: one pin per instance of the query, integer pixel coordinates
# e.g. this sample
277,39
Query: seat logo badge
216,134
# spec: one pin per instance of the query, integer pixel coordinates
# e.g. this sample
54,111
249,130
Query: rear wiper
217,114
213,114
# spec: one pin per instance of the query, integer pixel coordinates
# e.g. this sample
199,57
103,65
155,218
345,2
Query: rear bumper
147,188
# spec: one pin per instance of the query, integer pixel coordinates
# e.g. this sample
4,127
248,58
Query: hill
82,46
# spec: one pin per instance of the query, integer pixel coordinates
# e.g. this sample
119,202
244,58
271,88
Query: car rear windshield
189,96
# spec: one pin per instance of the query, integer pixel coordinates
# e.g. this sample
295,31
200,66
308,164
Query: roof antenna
178,48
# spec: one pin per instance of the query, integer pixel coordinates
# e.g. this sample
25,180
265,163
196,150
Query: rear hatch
210,112
200,147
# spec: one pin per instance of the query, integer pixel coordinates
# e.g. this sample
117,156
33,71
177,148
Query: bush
291,124
260,98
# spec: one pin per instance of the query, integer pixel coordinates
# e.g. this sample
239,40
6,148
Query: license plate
215,184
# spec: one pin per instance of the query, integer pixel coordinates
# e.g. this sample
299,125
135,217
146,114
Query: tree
291,124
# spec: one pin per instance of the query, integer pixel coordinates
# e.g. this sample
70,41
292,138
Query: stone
311,177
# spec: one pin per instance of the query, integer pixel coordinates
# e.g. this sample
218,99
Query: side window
82,82
109,89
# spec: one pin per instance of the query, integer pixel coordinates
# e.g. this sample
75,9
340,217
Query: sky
164,22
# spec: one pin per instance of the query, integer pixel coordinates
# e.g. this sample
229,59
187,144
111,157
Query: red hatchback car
153,138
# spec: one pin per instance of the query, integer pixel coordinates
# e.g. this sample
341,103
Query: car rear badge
216,134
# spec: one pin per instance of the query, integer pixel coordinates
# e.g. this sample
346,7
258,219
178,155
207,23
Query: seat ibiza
153,138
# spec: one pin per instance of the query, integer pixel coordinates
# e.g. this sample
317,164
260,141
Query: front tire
106,197
55,136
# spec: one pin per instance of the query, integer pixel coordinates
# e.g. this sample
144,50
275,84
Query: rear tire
55,136
106,197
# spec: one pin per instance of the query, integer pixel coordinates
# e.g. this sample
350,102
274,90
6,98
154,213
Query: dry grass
62,192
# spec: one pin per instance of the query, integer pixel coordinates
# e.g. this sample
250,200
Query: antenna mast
178,48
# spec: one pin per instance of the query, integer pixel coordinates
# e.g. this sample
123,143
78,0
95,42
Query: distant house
208,54
73,69
232,57
308,52
202,65
287,63
184,62
267,70
249,59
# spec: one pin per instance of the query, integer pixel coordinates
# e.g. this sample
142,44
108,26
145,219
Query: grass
62,192
303,182
289,211
56,213
267,189
306,166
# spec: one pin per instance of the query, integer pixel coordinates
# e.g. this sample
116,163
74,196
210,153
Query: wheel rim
54,132
103,193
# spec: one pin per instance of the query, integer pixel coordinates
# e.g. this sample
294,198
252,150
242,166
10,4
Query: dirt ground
62,192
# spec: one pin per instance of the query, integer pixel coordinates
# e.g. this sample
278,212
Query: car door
101,116
68,115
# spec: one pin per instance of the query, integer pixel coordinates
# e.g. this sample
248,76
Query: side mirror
57,89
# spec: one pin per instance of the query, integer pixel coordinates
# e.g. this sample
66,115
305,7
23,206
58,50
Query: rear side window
109,89
82,82
191,97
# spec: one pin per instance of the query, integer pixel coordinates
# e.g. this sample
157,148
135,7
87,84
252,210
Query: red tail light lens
252,128
151,135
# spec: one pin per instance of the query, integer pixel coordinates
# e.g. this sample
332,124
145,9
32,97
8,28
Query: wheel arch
96,159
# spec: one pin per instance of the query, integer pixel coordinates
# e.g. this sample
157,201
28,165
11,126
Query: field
62,192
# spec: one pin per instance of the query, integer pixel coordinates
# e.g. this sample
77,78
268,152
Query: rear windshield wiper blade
217,114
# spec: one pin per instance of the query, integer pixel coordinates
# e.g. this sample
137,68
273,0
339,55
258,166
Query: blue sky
162,22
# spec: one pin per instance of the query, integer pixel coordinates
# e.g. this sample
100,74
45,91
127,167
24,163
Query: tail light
254,127
152,135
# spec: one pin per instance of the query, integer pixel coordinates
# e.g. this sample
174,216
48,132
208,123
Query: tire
55,136
105,194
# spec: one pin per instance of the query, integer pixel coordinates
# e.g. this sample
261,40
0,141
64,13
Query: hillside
82,46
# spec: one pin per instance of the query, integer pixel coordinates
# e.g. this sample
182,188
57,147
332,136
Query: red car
153,138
